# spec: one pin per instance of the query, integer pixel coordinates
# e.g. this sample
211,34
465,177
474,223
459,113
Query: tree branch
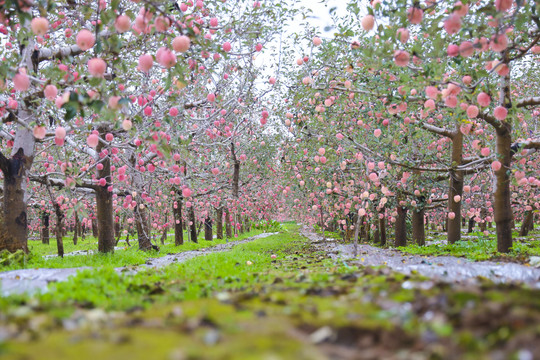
490,120
530,101
61,53
59,183
438,130
4,164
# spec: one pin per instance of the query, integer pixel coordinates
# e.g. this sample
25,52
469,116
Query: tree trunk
58,231
104,202
418,230
45,233
193,227
368,232
235,187
527,224
382,229
236,175
208,229
483,224
165,229
219,223
15,172
401,226
455,189
79,230
143,230
503,207
163,236
356,233
95,228
117,230
322,221
228,229
178,226
75,233
471,226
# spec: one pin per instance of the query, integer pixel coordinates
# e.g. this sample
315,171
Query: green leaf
71,111
97,105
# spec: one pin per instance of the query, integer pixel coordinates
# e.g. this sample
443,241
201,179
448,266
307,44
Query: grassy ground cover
475,246
248,304
125,256
480,247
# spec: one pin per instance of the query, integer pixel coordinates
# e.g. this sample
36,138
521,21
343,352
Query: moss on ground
247,304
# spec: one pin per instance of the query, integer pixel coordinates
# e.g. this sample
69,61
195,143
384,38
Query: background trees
419,93
113,94
426,109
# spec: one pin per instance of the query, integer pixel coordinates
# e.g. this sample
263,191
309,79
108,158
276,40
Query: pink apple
181,43
122,23
85,39
97,67
39,26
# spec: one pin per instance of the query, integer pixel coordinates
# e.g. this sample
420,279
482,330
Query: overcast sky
321,10
320,20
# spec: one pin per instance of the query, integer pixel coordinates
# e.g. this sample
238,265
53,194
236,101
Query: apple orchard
145,117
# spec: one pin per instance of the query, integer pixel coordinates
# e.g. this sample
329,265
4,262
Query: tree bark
502,204
15,172
356,233
45,232
178,226
208,229
366,228
59,221
236,174
228,229
471,226
117,230
527,224
95,227
455,188
143,230
219,223
163,236
104,202
193,227
239,224
401,226
75,230
382,229
418,230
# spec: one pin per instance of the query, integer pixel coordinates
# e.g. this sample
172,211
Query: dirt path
31,280
445,268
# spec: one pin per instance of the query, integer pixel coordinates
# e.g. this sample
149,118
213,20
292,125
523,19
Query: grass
247,304
477,247
480,247
104,287
128,255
